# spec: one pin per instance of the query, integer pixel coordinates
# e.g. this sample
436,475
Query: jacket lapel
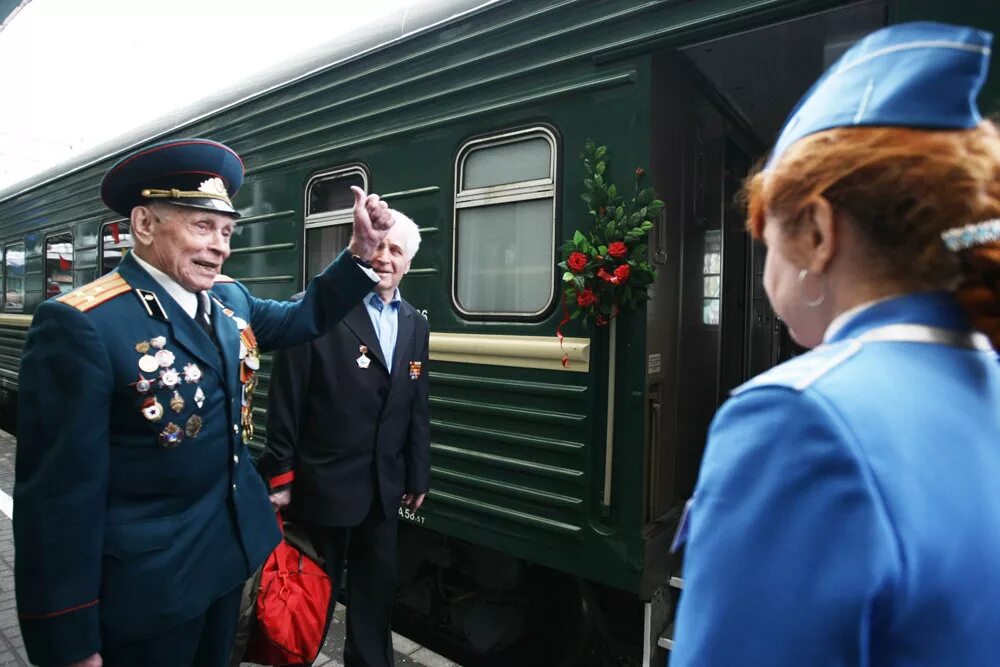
227,333
184,331
360,323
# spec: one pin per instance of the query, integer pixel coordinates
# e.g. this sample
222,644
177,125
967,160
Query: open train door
716,108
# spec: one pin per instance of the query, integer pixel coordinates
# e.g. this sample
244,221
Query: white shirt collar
185,298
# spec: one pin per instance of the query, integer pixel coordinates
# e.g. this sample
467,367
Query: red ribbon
559,334
115,233
64,264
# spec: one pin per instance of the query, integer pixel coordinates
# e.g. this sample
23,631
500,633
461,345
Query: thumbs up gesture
372,221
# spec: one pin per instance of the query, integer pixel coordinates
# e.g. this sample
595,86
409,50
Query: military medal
227,312
158,342
241,323
177,401
142,347
147,363
192,373
252,359
415,368
142,385
199,397
165,358
193,426
171,436
169,377
363,360
152,409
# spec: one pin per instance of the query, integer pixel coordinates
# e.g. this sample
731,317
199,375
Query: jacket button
236,458
234,487
236,428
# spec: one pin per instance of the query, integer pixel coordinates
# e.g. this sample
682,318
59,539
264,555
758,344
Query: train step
666,640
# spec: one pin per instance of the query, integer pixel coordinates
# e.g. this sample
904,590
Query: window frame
100,241
24,291
506,193
45,259
331,218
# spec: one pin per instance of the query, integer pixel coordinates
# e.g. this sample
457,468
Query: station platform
407,653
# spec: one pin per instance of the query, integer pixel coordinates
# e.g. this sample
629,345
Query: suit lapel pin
152,409
415,368
171,436
363,360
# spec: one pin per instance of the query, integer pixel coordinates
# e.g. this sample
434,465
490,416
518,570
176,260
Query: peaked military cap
922,75
187,172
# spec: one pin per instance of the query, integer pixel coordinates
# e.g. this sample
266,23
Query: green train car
555,490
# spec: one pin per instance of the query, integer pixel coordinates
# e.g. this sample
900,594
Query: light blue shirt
385,320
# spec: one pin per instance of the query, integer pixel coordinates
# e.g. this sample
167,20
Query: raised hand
372,221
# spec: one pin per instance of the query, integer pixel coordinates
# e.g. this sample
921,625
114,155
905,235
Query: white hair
408,232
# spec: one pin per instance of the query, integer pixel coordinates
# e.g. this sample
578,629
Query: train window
58,265
13,275
116,241
712,277
329,203
505,224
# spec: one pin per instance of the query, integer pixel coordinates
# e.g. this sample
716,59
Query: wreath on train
606,267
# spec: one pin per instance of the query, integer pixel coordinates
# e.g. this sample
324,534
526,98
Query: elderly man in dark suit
348,439
139,513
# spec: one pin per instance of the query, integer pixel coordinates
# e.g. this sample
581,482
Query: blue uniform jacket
848,507
117,534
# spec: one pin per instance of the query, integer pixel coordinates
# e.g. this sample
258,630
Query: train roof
412,19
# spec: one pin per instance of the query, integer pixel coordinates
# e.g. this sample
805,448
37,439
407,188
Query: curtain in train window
505,224
13,275
58,265
329,204
116,241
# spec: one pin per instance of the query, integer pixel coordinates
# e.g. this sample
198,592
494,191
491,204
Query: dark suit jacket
118,535
340,433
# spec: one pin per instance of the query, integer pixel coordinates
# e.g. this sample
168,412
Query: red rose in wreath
617,249
586,298
622,272
576,262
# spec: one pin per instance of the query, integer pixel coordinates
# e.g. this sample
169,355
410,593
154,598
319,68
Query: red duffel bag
293,598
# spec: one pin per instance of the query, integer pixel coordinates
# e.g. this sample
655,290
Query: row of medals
157,359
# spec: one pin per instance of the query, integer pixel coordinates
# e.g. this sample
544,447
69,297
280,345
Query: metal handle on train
660,254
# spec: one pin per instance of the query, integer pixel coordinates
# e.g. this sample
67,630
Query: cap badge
213,186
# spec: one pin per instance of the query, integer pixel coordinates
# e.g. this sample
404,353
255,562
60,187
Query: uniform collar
185,298
937,309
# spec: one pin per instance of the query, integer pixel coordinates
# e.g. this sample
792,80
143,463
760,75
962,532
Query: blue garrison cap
923,75
187,172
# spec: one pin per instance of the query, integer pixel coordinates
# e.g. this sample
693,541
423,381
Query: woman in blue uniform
848,506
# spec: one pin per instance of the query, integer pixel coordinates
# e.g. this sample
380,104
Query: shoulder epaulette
94,294
802,371
222,278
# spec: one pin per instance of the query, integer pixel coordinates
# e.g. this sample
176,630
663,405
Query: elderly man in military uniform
139,512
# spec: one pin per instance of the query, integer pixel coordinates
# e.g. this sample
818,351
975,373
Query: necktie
201,319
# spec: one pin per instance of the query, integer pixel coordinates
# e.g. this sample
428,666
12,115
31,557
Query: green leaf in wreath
576,314
602,250
646,226
599,169
600,152
578,237
568,277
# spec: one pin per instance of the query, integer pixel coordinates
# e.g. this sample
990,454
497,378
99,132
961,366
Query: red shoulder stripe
282,479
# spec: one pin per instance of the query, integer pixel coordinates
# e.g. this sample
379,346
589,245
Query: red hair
903,187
